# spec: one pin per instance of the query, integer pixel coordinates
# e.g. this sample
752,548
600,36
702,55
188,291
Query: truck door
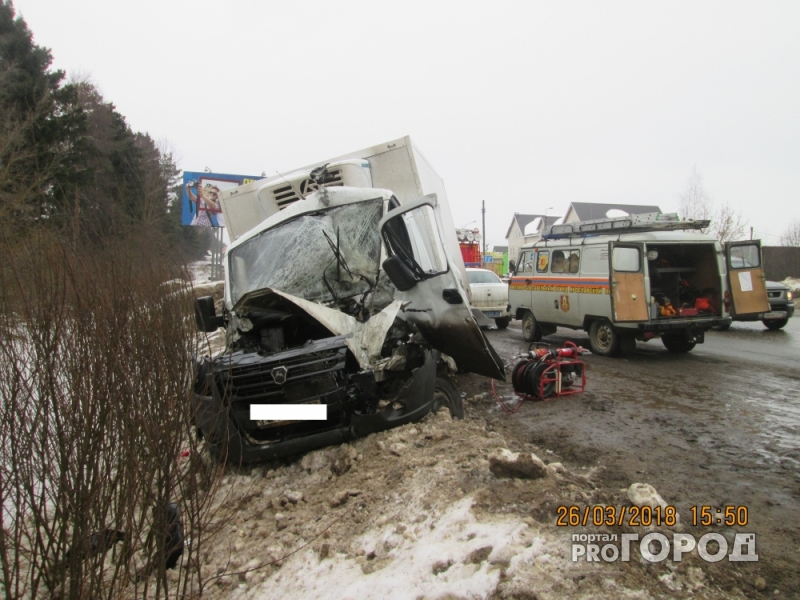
746,277
626,268
433,295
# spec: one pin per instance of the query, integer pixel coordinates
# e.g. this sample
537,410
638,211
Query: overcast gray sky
526,105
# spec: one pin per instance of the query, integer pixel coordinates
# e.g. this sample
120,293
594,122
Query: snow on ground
414,513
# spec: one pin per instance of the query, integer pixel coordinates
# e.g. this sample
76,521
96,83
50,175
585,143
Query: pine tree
41,129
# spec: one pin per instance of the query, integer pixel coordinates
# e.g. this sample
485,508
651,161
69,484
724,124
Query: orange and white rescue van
632,278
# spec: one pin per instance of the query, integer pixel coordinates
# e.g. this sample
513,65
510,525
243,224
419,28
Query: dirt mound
414,512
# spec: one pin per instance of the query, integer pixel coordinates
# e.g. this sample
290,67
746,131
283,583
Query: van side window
626,259
595,260
559,262
543,261
744,257
565,261
573,261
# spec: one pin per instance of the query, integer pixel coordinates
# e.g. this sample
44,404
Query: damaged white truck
351,297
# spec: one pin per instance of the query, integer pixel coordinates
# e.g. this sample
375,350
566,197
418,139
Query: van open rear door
746,280
626,267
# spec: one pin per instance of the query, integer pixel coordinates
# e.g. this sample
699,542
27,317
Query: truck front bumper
222,417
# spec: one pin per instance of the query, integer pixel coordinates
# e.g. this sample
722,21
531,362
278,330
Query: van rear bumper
672,324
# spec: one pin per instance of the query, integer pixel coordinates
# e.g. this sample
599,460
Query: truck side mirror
401,276
512,266
205,315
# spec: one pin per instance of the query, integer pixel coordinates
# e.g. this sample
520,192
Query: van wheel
530,329
502,323
603,339
446,396
775,324
677,343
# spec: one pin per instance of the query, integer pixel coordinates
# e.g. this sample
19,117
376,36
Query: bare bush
96,425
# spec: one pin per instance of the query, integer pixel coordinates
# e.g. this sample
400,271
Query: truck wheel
530,329
775,324
677,343
445,395
603,339
502,323
723,327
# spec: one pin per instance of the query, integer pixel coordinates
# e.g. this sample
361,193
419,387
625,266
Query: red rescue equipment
543,373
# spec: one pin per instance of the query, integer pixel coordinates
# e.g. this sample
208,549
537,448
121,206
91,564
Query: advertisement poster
200,198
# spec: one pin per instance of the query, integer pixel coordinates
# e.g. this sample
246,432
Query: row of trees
97,435
727,224
69,160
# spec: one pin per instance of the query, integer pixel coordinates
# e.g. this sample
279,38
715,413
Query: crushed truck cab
634,278
346,298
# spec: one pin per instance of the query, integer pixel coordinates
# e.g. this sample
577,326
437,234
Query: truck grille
285,195
774,294
307,376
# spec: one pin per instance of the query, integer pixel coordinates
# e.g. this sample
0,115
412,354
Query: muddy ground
416,513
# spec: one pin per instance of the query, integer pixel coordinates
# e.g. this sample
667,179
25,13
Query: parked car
489,296
781,308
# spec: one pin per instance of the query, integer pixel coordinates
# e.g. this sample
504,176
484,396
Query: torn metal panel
364,339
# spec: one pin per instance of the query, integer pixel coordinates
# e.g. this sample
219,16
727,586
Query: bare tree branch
694,201
728,225
791,235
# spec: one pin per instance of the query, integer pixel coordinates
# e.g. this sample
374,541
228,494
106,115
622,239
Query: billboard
200,199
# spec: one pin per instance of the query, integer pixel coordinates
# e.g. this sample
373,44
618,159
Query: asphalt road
718,426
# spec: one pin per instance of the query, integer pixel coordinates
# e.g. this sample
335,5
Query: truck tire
446,396
723,327
775,324
530,328
677,343
502,323
603,338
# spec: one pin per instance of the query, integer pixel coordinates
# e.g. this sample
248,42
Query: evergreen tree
41,129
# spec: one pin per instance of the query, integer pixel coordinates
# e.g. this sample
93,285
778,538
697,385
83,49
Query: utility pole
751,232
483,231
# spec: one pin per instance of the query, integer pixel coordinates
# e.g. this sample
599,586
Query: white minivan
635,278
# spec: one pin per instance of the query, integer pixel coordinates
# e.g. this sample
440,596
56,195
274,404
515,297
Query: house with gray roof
517,235
587,211
525,230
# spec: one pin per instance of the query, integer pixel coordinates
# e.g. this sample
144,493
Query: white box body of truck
397,165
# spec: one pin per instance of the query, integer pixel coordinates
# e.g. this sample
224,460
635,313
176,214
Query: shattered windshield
323,257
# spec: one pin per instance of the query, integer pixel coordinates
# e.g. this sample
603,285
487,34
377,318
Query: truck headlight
789,295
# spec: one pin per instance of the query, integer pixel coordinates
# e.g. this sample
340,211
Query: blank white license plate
492,313
776,314
288,412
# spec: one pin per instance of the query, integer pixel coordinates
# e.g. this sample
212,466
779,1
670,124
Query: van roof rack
629,224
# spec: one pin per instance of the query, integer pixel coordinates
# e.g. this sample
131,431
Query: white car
489,296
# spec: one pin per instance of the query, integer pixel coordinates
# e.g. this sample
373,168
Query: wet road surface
718,426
